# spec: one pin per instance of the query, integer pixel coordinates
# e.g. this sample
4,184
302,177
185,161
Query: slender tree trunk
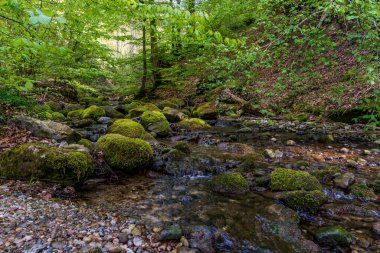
142,91
154,55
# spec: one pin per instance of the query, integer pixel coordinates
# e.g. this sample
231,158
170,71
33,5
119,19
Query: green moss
183,147
37,161
138,111
156,122
58,116
175,103
75,114
175,154
328,138
301,117
55,106
129,128
250,161
125,154
193,124
71,107
44,115
333,236
362,191
326,175
229,183
149,117
42,111
207,110
132,105
87,143
290,180
93,112
308,201
113,113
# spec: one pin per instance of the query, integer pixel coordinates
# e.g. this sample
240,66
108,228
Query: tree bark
154,55
142,91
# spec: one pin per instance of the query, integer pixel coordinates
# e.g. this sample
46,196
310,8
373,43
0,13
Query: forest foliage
225,43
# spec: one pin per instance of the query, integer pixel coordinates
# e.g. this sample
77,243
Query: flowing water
257,221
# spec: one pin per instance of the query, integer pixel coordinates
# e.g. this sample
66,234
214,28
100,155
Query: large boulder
207,110
156,122
124,153
41,162
193,124
129,128
230,183
291,180
47,129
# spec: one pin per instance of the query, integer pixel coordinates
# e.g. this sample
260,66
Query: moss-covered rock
328,138
183,146
326,175
93,112
138,111
193,124
291,180
301,117
87,143
129,128
308,201
361,190
58,116
175,103
333,236
156,122
55,106
52,164
75,114
131,106
42,112
112,112
251,161
125,154
207,110
173,115
230,183
71,107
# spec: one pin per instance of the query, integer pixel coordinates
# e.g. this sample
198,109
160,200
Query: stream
175,190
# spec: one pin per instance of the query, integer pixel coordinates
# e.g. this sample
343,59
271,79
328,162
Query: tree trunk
154,55
142,91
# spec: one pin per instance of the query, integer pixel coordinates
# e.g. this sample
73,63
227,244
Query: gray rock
104,120
47,129
123,238
137,241
344,181
174,232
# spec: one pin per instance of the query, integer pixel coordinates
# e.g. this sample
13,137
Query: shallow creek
257,221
